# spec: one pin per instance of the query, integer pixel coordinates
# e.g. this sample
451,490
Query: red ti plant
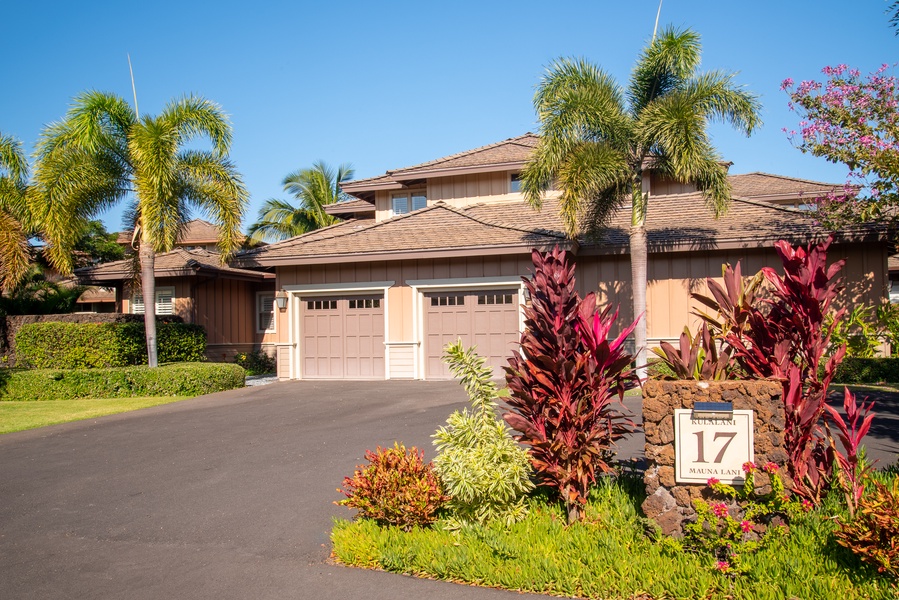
851,431
785,337
564,381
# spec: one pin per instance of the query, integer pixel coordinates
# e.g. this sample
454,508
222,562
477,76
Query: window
400,202
495,298
321,305
364,303
515,183
164,302
447,300
265,312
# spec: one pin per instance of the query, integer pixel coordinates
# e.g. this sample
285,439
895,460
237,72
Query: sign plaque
712,444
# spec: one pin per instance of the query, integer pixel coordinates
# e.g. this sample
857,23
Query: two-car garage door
488,319
342,337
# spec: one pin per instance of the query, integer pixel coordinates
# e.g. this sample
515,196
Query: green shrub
396,487
178,379
486,473
257,362
57,345
873,535
868,370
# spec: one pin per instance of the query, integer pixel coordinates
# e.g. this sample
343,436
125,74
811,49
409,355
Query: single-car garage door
487,319
342,337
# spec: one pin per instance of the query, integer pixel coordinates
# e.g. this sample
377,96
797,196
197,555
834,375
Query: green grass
18,416
610,556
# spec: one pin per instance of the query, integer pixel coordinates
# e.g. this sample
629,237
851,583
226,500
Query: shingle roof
437,227
757,184
349,207
674,222
178,262
507,152
196,231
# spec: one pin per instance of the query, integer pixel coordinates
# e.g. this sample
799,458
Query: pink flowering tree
852,119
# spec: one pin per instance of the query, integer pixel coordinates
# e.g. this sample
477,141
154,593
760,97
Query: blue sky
387,84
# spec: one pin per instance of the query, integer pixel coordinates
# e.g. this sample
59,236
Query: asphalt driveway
224,496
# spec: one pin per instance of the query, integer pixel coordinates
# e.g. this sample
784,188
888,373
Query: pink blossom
806,505
788,82
719,509
746,526
722,565
749,466
712,481
770,467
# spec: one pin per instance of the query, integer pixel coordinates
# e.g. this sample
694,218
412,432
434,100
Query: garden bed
610,555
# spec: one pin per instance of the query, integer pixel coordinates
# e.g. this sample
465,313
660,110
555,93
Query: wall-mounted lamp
281,299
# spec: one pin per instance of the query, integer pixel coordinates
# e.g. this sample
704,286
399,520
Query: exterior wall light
281,299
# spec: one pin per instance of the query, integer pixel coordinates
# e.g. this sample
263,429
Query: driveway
224,496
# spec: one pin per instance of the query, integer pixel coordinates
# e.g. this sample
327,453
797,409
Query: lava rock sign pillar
684,449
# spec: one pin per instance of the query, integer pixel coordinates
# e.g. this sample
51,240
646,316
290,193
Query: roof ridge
786,178
461,154
294,239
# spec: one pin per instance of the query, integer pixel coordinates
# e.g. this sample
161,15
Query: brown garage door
487,319
342,337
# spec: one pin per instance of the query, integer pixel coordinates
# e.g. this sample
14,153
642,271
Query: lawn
18,416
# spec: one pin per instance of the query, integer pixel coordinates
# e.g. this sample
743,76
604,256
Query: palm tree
314,189
599,139
14,254
102,152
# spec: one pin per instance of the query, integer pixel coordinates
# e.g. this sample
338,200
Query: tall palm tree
14,255
600,139
102,152
314,189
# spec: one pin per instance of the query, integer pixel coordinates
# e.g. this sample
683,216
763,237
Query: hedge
174,379
57,345
867,370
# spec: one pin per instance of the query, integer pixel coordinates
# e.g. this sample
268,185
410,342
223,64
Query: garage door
487,319
342,337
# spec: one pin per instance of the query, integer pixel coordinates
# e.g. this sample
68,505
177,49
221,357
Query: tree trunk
148,290
638,282
639,251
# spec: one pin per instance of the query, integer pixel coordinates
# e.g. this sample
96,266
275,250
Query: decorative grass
18,416
611,556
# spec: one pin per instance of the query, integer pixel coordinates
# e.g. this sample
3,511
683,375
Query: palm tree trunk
639,283
639,251
148,289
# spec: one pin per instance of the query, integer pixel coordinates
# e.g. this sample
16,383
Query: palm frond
14,255
717,98
591,176
194,116
663,66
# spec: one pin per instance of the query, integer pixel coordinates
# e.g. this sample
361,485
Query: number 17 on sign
705,448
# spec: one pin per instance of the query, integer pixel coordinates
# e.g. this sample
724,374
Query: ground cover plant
19,416
609,555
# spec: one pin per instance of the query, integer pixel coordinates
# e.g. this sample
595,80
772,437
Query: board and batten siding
673,277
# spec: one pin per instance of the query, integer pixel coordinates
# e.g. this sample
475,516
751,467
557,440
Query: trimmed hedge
57,345
867,370
177,379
